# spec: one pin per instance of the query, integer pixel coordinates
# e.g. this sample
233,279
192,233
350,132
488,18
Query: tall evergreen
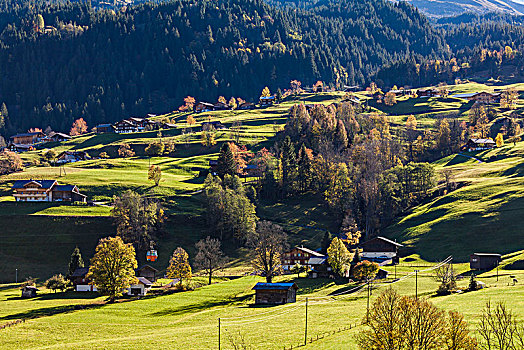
75,262
304,169
326,241
226,161
289,164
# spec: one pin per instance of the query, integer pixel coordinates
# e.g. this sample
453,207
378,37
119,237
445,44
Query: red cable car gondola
151,255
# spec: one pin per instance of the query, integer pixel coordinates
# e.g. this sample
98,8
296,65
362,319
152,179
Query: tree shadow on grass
50,311
201,306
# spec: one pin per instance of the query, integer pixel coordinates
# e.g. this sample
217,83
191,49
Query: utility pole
305,329
219,333
367,310
416,284
497,271
16,275
395,271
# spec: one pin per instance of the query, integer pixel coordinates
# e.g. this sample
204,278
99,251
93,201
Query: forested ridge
105,65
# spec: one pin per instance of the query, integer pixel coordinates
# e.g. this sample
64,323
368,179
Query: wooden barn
298,255
29,292
148,272
275,293
479,144
484,261
379,249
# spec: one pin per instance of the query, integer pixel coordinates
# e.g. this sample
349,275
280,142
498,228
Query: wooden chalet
220,106
217,125
28,138
481,97
352,88
298,255
29,291
379,249
140,288
148,272
479,144
20,147
265,101
246,105
72,156
484,261
203,107
80,282
104,128
125,126
319,267
431,92
381,274
46,191
143,124
58,136
168,126
275,293
401,92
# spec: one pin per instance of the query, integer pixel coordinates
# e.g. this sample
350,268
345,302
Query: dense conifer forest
103,65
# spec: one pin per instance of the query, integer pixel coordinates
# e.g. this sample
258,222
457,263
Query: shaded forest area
105,65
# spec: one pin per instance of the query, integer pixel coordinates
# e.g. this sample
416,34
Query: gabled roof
487,254
317,260
144,281
312,252
65,188
27,134
125,121
80,272
482,141
104,126
385,240
274,286
147,267
205,104
267,97
53,134
43,183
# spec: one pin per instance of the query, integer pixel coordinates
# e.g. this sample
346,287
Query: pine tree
226,161
304,168
326,241
289,164
279,95
75,262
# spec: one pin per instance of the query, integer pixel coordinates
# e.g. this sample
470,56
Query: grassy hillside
39,237
189,320
485,214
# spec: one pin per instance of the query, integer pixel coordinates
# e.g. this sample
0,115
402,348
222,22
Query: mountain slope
149,57
485,215
444,8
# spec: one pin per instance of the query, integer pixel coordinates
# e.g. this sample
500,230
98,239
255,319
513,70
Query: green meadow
189,320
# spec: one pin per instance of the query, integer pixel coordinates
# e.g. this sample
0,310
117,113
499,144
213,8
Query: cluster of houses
29,140
378,249
146,276
46,191
133,124
201,106
483,97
